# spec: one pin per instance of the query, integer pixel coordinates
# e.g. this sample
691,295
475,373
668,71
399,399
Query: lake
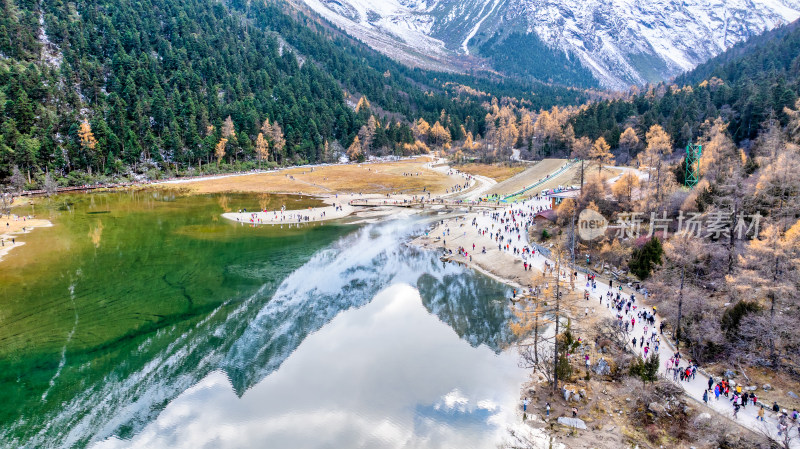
143,319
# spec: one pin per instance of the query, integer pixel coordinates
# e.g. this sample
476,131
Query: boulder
767,387
601,368
575,423
703,417
793,395
655,407
582,392
728,374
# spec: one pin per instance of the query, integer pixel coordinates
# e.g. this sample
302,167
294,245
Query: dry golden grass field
495,171
387,177
530,175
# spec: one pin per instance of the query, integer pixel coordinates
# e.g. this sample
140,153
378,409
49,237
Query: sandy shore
12,226
506,267
339,203
339,207
500,265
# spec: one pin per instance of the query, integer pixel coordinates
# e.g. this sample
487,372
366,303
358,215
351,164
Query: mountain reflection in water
386,375
245,342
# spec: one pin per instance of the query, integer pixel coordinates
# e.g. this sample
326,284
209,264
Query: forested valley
97,89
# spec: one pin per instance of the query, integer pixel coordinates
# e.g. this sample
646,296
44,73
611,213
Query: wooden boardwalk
427,204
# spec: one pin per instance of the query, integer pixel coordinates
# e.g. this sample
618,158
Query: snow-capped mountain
622,42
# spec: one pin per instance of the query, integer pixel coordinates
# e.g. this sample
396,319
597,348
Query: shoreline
12,226
338,207
460,232
497,264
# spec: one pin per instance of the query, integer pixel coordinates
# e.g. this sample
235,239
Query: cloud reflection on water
388,374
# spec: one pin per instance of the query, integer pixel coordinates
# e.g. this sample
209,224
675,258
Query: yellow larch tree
88,141
624,187
659,145
363,103
421,129
439,135
526,125
628,141
262,148
228,129
219,150
469,143
793,127
278,141
355,150
582,150
367,133
266,128
720,154
601,153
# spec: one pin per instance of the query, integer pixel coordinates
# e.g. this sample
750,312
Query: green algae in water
121,275
121,313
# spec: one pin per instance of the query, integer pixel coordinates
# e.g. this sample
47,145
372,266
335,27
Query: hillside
117,88
618,43
744,86
774,51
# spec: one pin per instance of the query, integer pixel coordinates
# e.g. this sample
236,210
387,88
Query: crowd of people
508,229
281,216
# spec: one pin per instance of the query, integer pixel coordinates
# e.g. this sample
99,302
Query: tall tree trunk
731,241
558,310
536,335
772,353
772,329
572,231
680,310
658,186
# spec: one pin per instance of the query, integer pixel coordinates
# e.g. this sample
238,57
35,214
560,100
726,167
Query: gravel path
747,416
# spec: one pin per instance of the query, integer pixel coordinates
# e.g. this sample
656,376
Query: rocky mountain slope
622,42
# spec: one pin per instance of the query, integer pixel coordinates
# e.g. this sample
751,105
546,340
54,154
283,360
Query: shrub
732,317
646,370
644,259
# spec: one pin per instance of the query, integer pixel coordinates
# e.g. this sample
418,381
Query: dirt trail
503,264
528,177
